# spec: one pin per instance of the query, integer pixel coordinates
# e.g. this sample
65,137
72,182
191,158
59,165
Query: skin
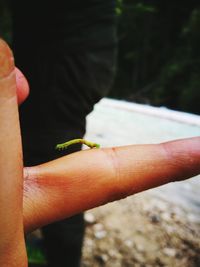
102,176
12,249
21,86
74,183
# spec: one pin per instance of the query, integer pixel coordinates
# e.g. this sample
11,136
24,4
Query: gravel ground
141,232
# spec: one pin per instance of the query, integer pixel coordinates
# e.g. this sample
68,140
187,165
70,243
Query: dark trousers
69,61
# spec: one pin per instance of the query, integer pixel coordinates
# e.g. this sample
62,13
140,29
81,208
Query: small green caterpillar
77,141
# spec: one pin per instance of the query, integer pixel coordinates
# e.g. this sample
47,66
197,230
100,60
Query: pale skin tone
74,183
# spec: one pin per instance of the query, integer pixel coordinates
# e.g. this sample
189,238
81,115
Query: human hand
74,183
12,245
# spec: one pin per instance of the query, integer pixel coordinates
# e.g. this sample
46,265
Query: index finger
87,179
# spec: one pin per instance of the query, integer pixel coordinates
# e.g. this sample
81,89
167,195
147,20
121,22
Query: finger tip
6,59
22,86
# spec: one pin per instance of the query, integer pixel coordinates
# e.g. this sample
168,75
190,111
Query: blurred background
158,65
159,55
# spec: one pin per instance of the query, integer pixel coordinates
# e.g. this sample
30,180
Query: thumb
11,224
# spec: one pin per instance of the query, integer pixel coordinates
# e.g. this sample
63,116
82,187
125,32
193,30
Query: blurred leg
70,64
65,239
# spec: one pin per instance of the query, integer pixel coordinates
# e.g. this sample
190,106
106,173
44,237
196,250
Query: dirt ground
141,231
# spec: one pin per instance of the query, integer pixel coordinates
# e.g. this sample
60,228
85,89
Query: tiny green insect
77,141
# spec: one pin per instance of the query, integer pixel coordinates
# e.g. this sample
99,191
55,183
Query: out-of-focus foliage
119,7
159,53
